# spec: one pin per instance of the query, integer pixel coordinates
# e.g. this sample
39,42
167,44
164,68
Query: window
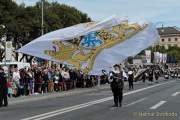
162,40
169,39
176,39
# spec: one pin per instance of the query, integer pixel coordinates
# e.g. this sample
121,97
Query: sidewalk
76,91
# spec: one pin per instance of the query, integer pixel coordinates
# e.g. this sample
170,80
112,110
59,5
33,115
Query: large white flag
95,45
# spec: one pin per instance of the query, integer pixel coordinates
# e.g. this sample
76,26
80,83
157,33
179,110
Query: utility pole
42,17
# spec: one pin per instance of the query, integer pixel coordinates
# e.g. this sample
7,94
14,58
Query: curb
55,95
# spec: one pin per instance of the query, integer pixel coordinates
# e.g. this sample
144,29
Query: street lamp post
42,19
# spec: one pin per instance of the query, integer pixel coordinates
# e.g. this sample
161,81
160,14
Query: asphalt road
159,101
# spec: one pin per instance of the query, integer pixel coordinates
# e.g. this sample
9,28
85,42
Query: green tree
23,24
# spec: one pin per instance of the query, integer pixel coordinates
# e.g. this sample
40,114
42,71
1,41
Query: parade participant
156,74
130,79
144,77
166,74
125,76
104,77
3,89
151,75
117,85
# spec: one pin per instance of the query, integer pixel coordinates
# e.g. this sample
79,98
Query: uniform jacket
117,81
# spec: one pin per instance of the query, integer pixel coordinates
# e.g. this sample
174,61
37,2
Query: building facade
169,36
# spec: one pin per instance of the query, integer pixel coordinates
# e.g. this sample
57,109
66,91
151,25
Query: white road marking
135,102
157,105
68,109
175,94
76,107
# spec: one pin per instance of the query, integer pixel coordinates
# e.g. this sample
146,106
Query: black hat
116,65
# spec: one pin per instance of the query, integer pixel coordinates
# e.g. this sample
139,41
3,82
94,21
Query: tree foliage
23,24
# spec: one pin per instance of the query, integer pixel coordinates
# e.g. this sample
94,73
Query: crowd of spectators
39,80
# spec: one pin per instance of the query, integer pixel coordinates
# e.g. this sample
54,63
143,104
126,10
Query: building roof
164,31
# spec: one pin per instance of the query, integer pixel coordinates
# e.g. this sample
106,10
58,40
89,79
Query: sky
159,12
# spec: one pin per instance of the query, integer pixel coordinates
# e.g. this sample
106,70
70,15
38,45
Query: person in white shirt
16,77
65,74
66,77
